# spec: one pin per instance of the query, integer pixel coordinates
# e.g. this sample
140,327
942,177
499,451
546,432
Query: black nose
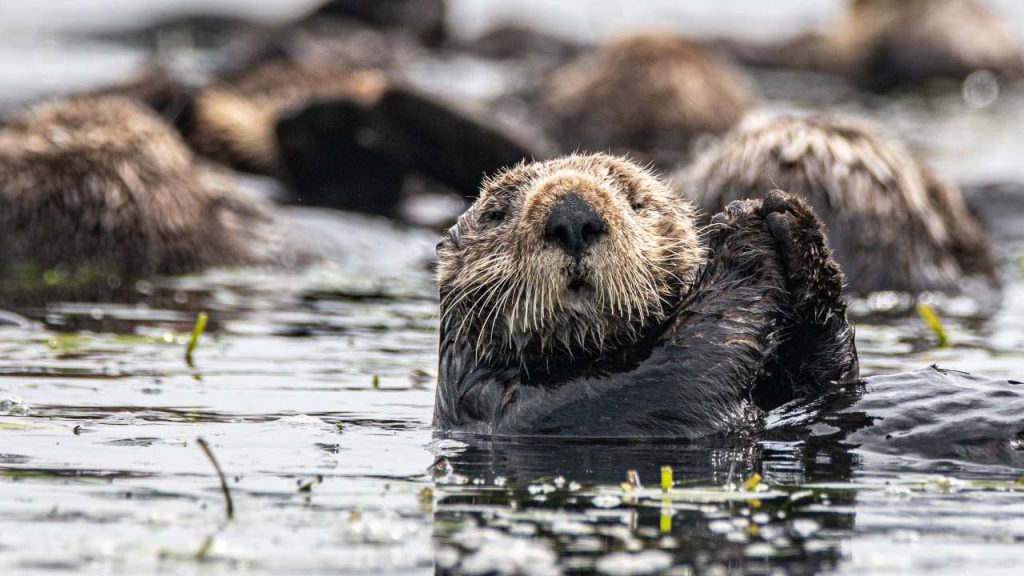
573,225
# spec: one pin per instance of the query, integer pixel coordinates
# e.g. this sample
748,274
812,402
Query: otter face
570,257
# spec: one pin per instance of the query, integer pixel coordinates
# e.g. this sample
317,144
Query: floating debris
13,406
203,552
229,505
193,340
441,468
931,318
632,481
307,485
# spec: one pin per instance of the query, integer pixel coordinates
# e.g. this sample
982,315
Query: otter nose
573,225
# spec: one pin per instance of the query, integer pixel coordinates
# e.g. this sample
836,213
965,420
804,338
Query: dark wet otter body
930,421
893,224
924,420
756,322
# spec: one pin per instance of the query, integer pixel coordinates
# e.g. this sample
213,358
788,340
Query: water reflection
735,505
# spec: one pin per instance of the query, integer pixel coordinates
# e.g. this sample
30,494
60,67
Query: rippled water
314,389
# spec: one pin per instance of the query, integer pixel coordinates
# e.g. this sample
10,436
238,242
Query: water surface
314,389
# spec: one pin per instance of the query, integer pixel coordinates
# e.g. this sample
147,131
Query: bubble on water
606,501
906,535
523,530
447,447
720,526
375,529
440,469
980,89
805,527
570,528
625,564
303,421
498,553
897,491
446,558
759,550
540,489
13,406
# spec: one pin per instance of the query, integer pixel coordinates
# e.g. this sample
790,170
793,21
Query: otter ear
455,235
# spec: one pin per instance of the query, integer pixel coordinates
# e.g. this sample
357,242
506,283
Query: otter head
564,259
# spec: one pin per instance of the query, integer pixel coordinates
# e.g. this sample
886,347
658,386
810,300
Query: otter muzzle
573,225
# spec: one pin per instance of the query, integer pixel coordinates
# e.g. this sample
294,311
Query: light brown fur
235,120
951,35
894,224
504,286
104,182
649,93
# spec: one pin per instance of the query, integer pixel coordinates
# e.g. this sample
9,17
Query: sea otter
887,44
355,32
893,224
103,182
578,297
648,94
345,139
234,120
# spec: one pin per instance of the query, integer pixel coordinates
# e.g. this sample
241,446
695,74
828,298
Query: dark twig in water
228,503
193,340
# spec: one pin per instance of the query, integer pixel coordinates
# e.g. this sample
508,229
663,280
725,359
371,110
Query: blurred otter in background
538,50
426,19
892,223
648,94
346,139
103,182
234,120
338,137
360,32
887,44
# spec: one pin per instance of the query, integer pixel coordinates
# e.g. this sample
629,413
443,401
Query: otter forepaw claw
776,201
781,227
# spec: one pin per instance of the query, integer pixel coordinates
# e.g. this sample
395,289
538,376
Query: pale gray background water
291,356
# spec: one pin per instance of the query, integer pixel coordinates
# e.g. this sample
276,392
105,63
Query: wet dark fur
424,18
345,154
762,323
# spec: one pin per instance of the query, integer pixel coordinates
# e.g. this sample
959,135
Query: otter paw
812,276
